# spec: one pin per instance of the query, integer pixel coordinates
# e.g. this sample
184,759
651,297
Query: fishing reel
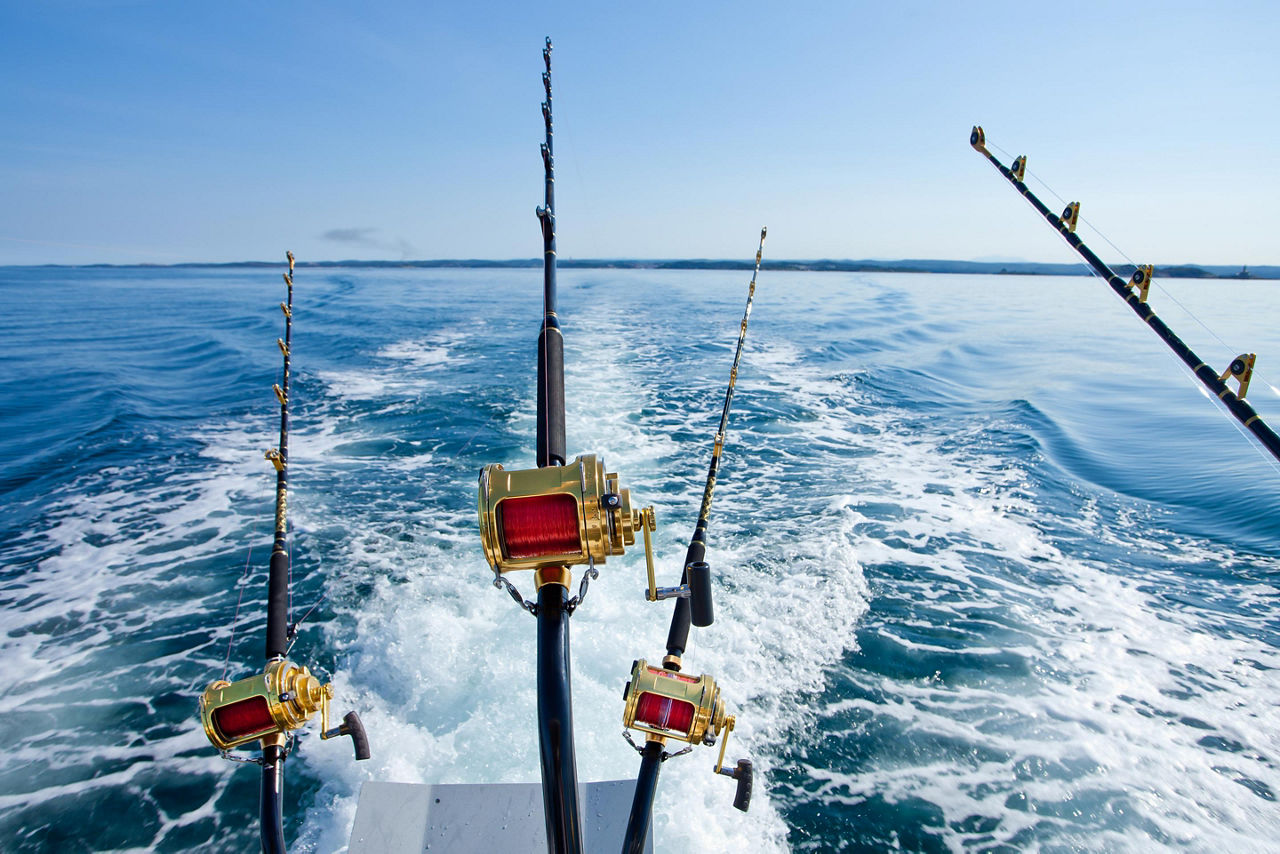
666,704
271,705
557,517
1241,368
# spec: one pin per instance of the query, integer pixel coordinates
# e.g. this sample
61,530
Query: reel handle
698,575
745,775
351,726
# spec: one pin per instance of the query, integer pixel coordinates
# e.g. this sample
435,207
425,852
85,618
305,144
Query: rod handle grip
701,610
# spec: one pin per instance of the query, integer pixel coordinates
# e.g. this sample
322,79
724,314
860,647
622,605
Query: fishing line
244,579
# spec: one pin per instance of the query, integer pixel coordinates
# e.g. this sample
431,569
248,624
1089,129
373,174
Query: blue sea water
992,573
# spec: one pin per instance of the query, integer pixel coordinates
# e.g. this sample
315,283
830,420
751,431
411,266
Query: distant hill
924,265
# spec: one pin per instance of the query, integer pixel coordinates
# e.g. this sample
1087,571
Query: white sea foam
1110,700
439,661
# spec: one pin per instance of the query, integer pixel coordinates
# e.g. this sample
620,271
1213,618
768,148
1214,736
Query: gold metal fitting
276,460
272,703
978,139
1241,368
1140,281
1019,167
279,394
555,515
668,704
1071,216
289,255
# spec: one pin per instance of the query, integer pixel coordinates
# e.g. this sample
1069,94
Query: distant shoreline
1172,271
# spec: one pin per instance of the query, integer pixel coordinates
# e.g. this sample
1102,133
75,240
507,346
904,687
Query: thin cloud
358,236
368,237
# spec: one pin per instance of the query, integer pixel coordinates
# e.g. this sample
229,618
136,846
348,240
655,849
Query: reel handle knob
745,776
351,726
698,575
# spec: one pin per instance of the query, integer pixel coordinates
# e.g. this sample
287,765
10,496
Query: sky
164,132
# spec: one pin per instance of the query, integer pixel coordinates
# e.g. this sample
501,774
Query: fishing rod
549,519
1134,292
663,703
268,707
572,513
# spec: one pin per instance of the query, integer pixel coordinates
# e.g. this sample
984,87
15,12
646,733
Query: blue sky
169,131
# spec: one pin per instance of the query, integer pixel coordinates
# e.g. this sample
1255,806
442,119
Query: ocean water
992,574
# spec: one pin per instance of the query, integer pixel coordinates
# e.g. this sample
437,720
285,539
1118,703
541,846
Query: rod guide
1241,368
1140,281
1019,167
1071,216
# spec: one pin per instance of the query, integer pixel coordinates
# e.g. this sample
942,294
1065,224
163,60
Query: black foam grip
701,610
351,726
745,777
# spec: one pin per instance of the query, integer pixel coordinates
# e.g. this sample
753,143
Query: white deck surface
494,818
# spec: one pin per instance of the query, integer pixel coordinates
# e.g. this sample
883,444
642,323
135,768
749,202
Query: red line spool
664,712
244,718
540,525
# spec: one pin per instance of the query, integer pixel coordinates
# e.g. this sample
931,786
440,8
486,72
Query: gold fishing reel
270,705
557,516
666,704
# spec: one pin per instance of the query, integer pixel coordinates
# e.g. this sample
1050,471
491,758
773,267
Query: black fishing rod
548,519
693,712
1134,292
573,513
555,699
269,706
273,746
